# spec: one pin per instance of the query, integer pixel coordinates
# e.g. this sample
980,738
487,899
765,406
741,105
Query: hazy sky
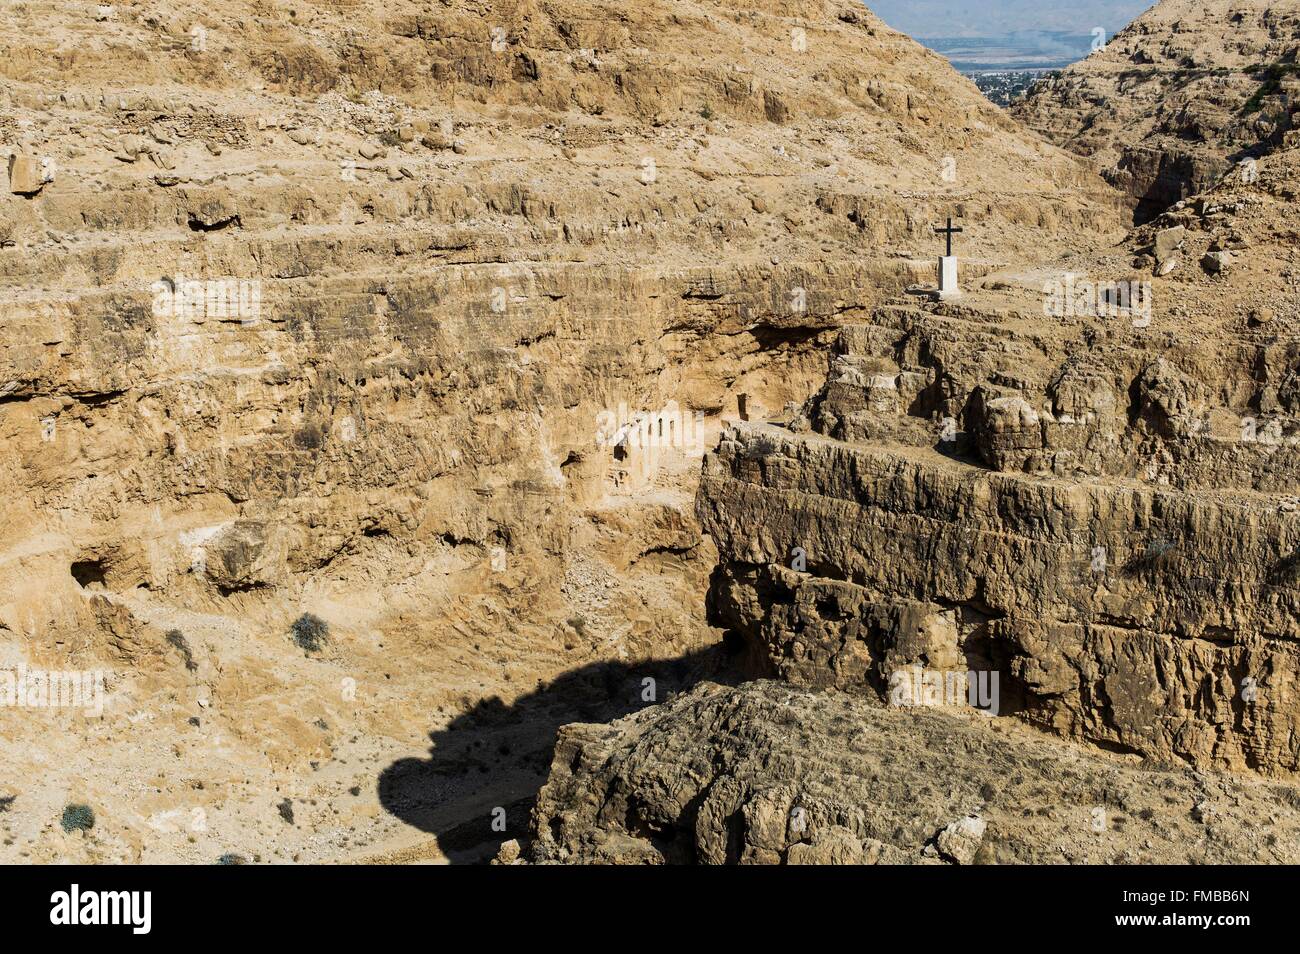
935,18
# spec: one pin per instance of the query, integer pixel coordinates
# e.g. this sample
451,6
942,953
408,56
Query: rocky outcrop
773,774
1174,101
1144,620
1086,502
1025,510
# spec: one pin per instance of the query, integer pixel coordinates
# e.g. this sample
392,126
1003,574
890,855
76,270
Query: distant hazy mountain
997,18
1016,51
1009,34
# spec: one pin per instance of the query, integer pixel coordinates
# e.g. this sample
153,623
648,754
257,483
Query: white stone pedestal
948,276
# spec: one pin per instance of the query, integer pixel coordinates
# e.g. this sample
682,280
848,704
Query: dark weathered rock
769,774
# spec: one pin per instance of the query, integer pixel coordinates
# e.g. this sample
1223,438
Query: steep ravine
319,325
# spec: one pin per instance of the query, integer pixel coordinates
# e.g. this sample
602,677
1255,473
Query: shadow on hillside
493,759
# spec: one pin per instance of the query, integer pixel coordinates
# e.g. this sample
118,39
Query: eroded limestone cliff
1098,502
323,327
1026,508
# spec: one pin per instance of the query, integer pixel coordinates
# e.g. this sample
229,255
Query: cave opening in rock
86,572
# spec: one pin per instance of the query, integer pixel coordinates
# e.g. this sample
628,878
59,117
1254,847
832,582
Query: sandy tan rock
769,773
25,175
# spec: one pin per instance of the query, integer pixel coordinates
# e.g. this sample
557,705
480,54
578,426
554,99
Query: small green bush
310,632
77,818
761,448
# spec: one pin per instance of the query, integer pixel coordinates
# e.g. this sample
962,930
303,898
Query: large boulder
27,176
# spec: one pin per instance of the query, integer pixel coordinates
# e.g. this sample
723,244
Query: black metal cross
948,232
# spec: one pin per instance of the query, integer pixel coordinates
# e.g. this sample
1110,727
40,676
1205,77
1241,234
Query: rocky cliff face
1176,99
1065,502
1084,504
342,322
